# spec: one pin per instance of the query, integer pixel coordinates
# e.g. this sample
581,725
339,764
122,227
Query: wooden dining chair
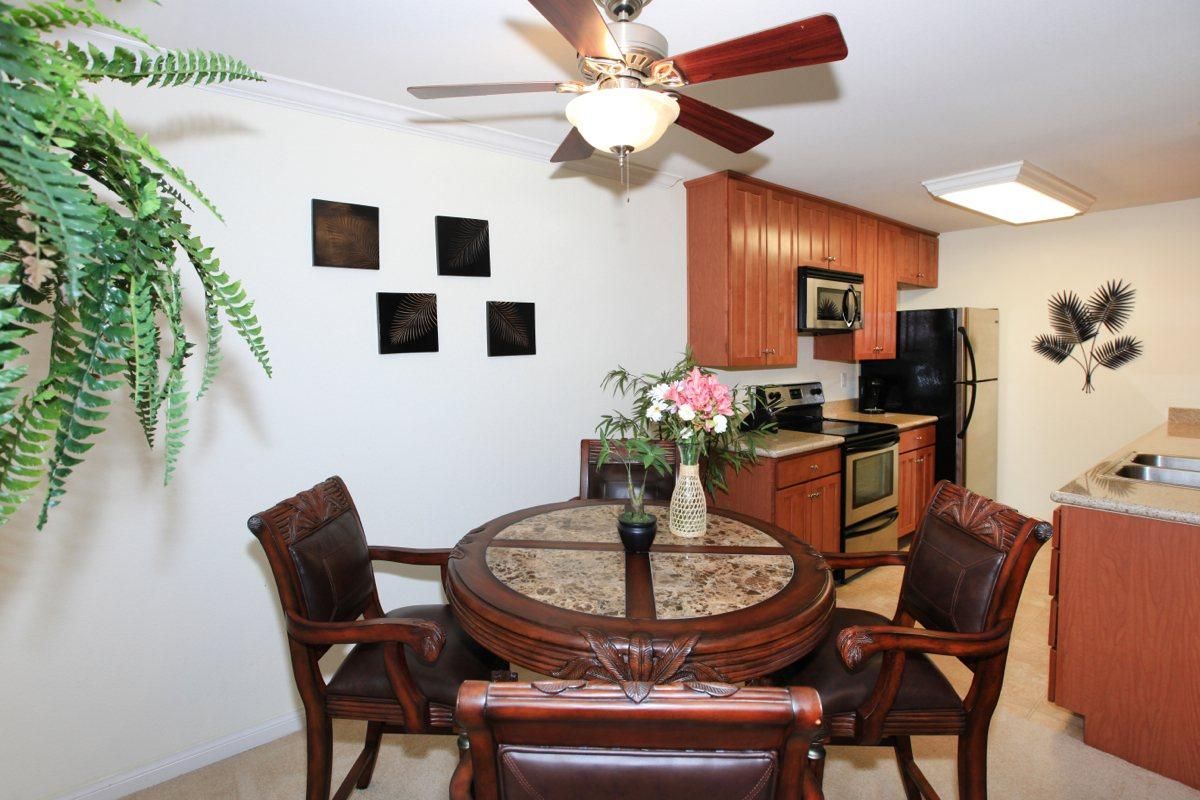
609,481
594,743
403,673
963,577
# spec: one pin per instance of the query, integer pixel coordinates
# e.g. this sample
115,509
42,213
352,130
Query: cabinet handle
877,349
920,274
814,495
920,460
768,351
831,259
814,466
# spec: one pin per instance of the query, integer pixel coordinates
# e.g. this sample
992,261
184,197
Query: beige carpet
1036,748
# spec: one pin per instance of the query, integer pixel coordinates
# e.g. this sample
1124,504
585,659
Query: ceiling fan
629,95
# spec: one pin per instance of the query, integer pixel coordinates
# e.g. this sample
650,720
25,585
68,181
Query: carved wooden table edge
710,651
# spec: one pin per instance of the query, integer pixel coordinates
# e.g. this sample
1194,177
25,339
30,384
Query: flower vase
689,509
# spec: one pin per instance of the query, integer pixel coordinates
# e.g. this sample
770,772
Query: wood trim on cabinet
708,257
831,203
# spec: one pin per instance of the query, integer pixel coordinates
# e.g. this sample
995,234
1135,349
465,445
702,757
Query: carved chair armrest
438,556
885,558
858,643
425,637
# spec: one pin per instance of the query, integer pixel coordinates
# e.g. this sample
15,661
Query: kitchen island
1124,577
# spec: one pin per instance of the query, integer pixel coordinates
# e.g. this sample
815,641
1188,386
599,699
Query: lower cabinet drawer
807,466
917,437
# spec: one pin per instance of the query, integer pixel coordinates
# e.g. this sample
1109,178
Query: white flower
720,423
685,434
686,413
655,412
659,392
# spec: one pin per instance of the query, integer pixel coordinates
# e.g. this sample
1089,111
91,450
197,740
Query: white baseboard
117,786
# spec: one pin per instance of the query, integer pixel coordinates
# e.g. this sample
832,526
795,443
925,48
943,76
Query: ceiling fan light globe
612,120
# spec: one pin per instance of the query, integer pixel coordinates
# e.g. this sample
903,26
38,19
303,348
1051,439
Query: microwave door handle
850,311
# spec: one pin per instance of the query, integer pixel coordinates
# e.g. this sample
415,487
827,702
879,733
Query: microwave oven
828,301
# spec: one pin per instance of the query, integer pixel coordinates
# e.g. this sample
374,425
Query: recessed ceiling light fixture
1016,193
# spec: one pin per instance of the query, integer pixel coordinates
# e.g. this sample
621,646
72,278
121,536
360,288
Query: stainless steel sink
1167,462
1174,477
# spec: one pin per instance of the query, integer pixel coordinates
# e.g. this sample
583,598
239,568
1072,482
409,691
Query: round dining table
551,589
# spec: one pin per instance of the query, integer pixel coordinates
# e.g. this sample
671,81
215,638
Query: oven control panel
789,395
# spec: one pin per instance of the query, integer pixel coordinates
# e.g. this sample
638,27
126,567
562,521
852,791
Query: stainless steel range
870,464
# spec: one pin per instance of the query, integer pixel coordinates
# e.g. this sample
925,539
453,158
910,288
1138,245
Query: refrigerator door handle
974,387
970,358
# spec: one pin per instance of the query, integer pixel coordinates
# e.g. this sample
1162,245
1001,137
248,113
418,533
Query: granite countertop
1098,488
790,443
572,559
844,409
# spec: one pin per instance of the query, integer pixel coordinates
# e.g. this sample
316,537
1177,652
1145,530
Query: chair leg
371,749
972,763
904,760
320,756
816,764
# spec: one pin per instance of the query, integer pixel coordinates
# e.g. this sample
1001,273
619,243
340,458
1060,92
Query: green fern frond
143,356
52,192
23,450
229,295
177,400
168,68
48,16
212,345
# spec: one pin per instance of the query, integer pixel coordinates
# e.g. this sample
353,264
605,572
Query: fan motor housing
641,46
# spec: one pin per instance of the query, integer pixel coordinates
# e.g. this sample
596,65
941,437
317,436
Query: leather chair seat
923,686
363,674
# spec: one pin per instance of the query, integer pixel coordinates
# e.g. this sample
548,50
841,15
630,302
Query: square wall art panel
462,247
407,323
345,235
510,329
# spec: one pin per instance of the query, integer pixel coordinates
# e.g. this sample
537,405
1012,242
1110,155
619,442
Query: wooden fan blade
582,24
573,148
816,40
728,130
479,89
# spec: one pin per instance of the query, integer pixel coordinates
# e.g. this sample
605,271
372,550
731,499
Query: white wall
143,620
1050,431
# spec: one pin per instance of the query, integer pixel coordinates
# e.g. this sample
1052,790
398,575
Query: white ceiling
1104,94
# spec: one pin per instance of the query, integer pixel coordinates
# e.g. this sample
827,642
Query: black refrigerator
946,366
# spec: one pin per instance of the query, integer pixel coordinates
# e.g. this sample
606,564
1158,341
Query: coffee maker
872,395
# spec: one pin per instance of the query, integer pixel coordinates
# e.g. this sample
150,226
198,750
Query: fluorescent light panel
1018,193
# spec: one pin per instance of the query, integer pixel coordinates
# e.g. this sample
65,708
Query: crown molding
310,98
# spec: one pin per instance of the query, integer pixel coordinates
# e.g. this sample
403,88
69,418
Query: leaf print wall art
463,247
510,329
407,322
345,235
1078,327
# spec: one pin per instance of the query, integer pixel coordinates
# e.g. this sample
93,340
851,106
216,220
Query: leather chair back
593,743
318,553
609,482
967,555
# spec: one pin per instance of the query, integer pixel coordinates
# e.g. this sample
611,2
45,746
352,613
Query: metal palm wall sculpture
1077,327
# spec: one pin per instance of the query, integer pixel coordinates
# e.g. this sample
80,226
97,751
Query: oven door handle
886,442
891,517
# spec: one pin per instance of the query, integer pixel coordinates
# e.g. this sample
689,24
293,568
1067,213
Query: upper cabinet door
747,273
907,255
927,261
812,233
843,253
779,280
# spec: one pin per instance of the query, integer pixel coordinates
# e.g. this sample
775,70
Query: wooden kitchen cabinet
917,462
742,258
877,337
842,248
813,511
746,238
801,494
1123,652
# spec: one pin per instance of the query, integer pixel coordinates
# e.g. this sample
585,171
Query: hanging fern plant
99,278
1078,325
